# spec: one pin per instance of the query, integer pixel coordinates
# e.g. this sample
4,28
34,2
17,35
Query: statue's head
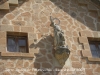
53,21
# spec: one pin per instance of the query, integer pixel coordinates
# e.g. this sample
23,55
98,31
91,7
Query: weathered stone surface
4,5
42,59
89,71
43,52
86,65
18,23
38,1
76,65
92,7
41,45
26,64
32,36
6,28
3,41
6,73
49,56
26,14
90,22
98,26
95,34
10,16
36,65
46,65
86,47
86,53
9,65
2,34
17,28
27,29
97,69
74,58
83,40
5,21
2,48
19,63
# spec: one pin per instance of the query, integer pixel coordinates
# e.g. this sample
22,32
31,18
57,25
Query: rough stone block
26,14
83,40
2,34
82,1
3,41
97,69
13,2
17,28
86,46
86,53
6,28
2,48
89,71
10,16
18,23
32,36
46,65
27,29
5,21
92,7
5,5
95,34
76,64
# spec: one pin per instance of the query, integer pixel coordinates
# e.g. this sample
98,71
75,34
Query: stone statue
59,40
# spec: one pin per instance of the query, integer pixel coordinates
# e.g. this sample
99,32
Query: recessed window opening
95,46
17,42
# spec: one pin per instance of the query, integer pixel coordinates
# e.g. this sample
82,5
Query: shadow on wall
79,12
44,61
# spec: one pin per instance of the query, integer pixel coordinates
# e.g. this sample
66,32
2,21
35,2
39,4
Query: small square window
17,42
95,47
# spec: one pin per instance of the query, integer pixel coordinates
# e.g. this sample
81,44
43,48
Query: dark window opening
17,42
95,47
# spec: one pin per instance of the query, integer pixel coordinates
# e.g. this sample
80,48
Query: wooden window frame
16,41
7,54
96,43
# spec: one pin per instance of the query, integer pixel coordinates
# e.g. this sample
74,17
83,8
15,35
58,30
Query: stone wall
78,21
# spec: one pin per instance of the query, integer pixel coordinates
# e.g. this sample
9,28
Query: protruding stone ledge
17,54
94,59
4,6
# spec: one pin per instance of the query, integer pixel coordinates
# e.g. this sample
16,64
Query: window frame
83,40
18,34
17,38
5,54
95,43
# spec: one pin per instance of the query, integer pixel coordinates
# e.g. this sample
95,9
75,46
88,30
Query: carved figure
61,51
59,38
